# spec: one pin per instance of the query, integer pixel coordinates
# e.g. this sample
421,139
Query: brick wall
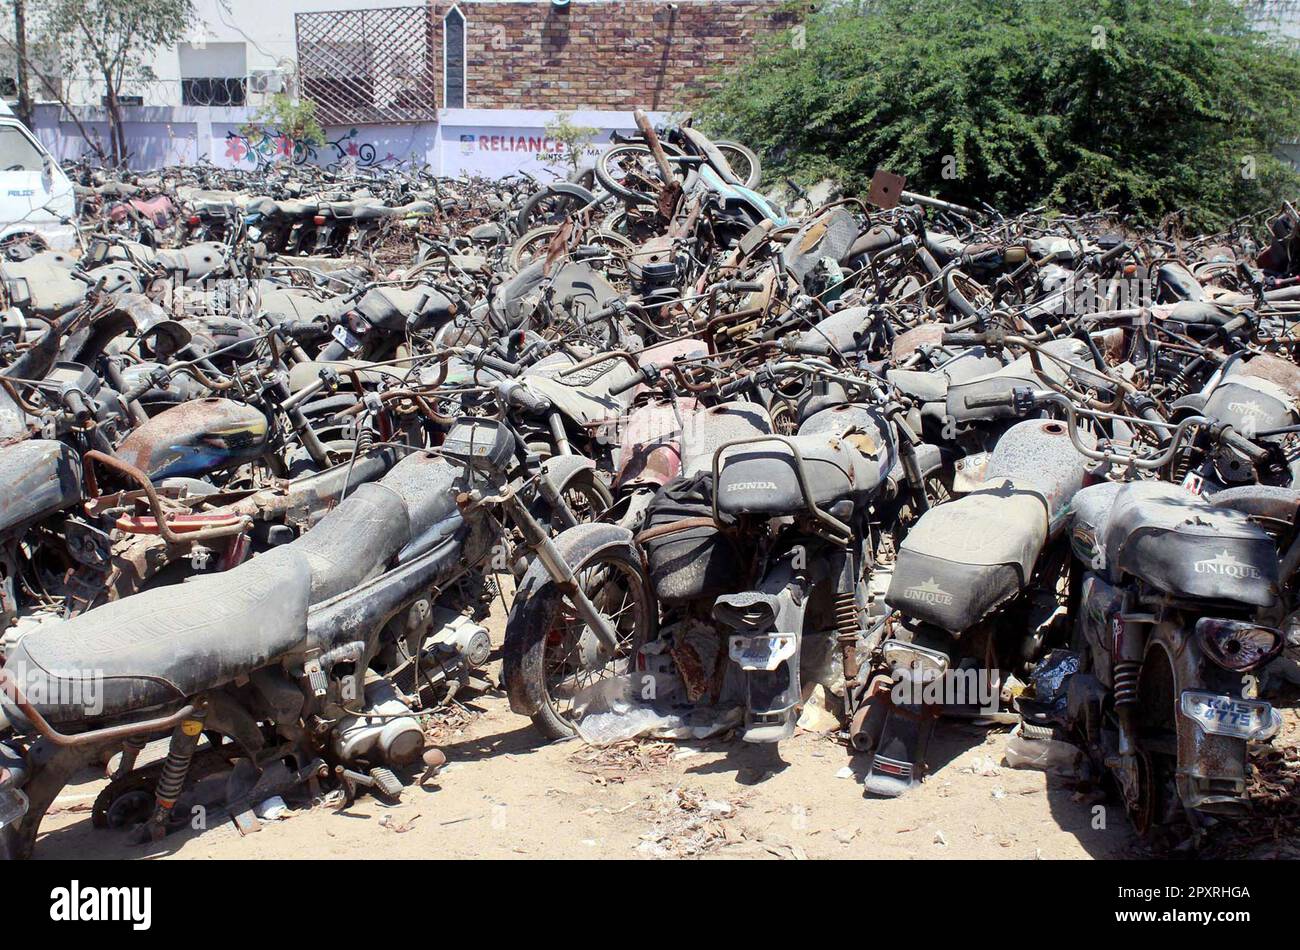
616,55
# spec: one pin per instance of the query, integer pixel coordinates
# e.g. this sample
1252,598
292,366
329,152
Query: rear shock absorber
1126,683
185,738
847,631
1126,702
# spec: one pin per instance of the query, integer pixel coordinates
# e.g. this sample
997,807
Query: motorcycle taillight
1236,645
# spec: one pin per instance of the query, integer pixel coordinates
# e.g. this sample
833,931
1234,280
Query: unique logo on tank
1251,410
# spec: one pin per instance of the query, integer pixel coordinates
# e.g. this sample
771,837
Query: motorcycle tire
549,207
743,161
587,497
607,172
543,635
9,843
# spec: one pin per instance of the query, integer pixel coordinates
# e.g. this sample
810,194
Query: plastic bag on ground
614,713
1043,755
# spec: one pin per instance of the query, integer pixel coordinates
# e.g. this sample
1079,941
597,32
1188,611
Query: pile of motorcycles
262,489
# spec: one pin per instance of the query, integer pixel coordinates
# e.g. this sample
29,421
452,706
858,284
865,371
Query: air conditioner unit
268,82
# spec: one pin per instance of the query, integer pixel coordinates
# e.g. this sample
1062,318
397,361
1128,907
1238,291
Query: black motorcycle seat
1263,502
297,207
162,645
1177,542
157,647
761,477
964,558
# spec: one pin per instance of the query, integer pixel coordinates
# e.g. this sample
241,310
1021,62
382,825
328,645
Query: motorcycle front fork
538,540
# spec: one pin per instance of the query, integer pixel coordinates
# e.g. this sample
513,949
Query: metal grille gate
369,65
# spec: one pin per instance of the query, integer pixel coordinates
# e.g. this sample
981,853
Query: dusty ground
506,795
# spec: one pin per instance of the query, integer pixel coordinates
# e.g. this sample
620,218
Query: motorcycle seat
925,386
1177,542
41,286
157,647
761,477
966,557
1261,502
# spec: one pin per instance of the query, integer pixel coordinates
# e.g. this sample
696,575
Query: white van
36,197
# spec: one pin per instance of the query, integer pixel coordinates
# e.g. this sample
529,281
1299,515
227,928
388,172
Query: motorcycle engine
388,734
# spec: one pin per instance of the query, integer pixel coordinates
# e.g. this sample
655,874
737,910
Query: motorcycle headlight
1236,645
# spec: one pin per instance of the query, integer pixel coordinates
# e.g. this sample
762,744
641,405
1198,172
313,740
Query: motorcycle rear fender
775,609
1211,771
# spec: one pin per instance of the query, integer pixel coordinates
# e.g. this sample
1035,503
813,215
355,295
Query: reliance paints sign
499,142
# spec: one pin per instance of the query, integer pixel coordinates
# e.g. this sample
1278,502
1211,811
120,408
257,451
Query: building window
453,59
213,92
213,74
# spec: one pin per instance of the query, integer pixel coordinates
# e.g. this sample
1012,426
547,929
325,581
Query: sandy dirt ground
506,794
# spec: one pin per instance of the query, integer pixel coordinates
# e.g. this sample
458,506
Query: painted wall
488,142
257,34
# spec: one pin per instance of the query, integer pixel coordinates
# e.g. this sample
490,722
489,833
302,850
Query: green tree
107,43
575,139
284,115
1151,106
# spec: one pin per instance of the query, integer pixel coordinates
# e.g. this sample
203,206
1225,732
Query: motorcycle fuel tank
195,438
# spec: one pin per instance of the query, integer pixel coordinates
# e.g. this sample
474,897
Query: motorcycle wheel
1157,797
743,161
587,497
549,207
615,164
554,660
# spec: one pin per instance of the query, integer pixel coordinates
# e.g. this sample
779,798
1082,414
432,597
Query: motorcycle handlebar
635,380
990,402
1026,400
478,357
742,286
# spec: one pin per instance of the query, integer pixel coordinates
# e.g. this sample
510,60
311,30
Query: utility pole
20,45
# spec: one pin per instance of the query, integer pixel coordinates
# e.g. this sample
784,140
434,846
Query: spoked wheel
785,417
554,663
550,206
1154,806
629,171
587,497
743,161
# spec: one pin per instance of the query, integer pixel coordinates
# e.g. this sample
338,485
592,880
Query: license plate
762,652
345,336
1222,715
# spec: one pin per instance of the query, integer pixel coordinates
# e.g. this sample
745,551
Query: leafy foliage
1151,106
575,139
287,116
108,42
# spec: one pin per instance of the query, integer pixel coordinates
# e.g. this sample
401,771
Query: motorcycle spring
847,630
177,767
1126,682
365,436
